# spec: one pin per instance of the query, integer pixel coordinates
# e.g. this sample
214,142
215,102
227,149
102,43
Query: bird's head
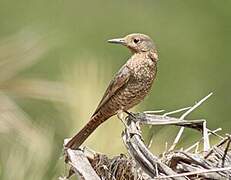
136,42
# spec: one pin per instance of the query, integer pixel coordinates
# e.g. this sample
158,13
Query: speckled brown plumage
129,86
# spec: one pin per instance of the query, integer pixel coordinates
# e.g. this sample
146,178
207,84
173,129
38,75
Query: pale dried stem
183,117
195,172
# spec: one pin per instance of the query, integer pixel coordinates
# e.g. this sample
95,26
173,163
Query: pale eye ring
136,40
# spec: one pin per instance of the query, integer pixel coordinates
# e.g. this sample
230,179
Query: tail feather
86,131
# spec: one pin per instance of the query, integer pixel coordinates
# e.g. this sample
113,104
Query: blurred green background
55,64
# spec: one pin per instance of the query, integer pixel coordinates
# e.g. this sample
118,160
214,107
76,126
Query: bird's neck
152,54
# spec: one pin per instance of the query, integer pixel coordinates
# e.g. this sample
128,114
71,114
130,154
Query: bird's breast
143,69
143,72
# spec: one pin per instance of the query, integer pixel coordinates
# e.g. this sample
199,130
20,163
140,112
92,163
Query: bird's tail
86,131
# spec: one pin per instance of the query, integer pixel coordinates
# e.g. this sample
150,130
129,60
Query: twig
219,144
154,112
183,117
215,134
225,152
180,132
151,139
198,142
195,106
206,137
195,172
176,111
196,149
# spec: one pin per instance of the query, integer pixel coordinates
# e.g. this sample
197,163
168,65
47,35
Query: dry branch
212,163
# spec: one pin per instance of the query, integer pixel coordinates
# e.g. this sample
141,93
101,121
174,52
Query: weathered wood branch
212,163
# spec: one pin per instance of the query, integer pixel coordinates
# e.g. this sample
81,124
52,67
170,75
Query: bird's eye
136,40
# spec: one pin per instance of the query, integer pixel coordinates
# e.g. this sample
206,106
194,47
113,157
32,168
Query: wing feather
120,79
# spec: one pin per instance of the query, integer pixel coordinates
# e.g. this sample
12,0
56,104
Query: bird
128,87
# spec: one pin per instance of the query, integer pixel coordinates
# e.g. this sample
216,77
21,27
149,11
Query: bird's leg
120,115
134,118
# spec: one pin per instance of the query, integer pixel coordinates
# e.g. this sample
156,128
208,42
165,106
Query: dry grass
25,147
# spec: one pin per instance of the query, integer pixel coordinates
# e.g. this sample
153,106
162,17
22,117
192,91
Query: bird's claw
130,114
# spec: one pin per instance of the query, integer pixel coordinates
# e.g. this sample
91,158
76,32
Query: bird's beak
117,41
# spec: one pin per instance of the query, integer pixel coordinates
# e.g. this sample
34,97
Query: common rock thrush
128,87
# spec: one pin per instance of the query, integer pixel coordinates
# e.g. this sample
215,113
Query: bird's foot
130,114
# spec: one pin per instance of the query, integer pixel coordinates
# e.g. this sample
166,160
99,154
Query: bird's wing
120,79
